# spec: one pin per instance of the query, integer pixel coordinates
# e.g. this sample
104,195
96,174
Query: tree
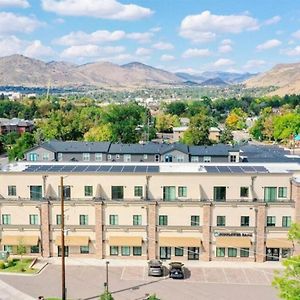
99,134
236,120
25,142
288,281
166,122
176,108
226,136
106,296
152,297
21,249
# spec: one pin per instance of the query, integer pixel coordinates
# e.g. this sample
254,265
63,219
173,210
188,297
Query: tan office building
169,211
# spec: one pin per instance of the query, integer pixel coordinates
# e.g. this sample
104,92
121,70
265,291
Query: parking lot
133,283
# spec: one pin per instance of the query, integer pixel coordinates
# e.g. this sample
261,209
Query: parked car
155,268
176,270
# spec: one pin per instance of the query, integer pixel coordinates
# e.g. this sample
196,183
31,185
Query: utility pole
63,268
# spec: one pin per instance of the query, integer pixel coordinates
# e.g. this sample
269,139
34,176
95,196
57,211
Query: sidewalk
7,292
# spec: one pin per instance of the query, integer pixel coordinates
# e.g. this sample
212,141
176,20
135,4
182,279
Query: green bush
11,263
2,265
106,296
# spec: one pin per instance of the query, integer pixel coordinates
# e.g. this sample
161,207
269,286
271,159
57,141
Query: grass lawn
18,266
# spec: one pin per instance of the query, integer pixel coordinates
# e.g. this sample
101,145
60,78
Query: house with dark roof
15,125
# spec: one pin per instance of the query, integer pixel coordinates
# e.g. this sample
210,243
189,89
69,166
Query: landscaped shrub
106,296
2,265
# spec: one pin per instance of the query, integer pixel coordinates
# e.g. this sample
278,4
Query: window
180,159
33,156
221,220
232,252
33,219
137,220
165,252
233,158
138,191
285,252
169,193
114,250
34,249
117,192
282,192
245,221
125,251
207,159
67,192
179,251
182,191
220,193
12,190
220,252
6,219
127,157
84,249
286,221
117,156
137,251
163,220
145,156
156,157
244,191
58,219
83,220
59,156
88,190
194,158
270,194
35,192
85,156
244,252
98,156
109,156
113,220
195,220
45,156
271,221
8,248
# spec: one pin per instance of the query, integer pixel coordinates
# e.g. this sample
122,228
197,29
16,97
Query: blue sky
177,35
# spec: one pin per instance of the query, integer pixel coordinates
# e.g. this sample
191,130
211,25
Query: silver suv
155,268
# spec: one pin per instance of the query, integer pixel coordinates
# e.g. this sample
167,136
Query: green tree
23,143
176,108
21,249
226,136
288,281
153,297
236,120
106,296
166,122
99,134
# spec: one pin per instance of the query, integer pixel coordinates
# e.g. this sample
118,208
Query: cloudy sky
177,35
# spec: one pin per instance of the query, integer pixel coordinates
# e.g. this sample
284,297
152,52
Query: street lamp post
63,268
106,285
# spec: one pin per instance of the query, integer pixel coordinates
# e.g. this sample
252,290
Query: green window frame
163,220
138,191
33,219
88,190
244,191
6,219
113,220
84,249
114,250
220,193
179,251
117,192
66,191
34,249
270,193
125,251
195,220
182,191
137,220
12,190
286,221
244,252
221,220
220,252
8,248
282,192
232,252
58,219
83,219
245,221
36,192
169,193
137,251
271,221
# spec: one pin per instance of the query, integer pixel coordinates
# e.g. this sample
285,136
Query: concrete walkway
8,292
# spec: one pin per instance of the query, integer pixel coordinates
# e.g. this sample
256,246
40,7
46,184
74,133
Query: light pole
63,268
106,285
255,232
41,229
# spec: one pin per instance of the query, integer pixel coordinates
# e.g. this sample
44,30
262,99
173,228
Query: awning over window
16,240
279,243
234,242
125,241
73,241
179,241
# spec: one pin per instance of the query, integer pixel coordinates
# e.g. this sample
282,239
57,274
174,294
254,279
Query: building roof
149,148
214,150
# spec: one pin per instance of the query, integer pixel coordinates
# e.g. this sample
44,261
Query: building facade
166,211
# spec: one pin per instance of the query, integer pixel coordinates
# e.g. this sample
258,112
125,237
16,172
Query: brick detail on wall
45,229
99,230
261,215
151,231
206,233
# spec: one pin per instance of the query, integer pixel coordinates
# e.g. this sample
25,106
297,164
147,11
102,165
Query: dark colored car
176,270
155,268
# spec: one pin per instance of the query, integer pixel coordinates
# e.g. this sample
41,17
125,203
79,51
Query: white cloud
90,51
155,29
119,58
104,9
195,52
296,34
163,46
223,62
17,3
225,48
143,51
59,21
292,52
10,23
141,37
273,20
268,45
254,64
166,57
12,45
205,26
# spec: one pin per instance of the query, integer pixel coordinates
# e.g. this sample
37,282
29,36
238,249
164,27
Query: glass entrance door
272,254
165,252
193,253
66,251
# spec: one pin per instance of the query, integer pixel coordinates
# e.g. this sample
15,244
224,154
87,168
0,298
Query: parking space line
247,279
225,276
122,274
